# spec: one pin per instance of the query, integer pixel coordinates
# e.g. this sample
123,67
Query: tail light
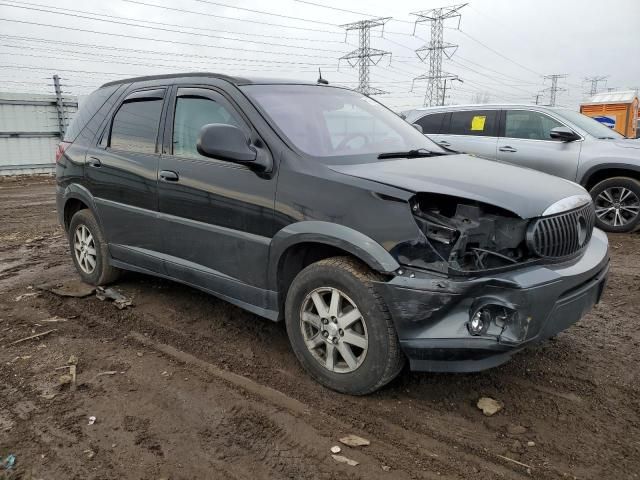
62,146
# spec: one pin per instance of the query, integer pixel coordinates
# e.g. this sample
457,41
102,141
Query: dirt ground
185,386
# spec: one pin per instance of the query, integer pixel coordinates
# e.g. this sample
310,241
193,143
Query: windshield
589,125
326,121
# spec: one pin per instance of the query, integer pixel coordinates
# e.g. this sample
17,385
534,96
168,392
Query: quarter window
192,113
431,123
135,126
480,123
529,125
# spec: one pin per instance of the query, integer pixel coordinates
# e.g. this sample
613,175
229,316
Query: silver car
558,141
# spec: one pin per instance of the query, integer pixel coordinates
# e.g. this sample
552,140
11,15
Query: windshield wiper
420,152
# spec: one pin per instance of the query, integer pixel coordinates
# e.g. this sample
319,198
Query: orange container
617,110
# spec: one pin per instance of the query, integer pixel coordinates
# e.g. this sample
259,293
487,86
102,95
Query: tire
379,363
607,215
101,272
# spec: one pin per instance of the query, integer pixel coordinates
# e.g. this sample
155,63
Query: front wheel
617,203
340,329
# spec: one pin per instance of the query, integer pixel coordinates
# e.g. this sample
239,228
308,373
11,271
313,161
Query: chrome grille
563,234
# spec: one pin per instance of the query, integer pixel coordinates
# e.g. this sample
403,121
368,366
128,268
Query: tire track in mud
414,443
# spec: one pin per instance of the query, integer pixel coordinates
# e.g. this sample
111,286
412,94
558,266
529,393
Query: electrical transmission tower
436,49
594,83
365,56
554,89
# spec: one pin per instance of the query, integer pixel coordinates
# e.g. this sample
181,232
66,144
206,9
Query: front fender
339,236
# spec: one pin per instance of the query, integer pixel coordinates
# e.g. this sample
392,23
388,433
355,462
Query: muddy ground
193,388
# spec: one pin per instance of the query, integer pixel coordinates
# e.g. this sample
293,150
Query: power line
127,23
365,56
348,11
175,42
206,14
436,49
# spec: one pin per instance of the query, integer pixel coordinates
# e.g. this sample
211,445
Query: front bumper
431,312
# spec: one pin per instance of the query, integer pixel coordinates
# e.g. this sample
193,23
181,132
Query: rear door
526,141
216,216
122,176
471,131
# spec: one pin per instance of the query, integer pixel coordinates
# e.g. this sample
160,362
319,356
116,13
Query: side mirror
563,133
417,127
225,142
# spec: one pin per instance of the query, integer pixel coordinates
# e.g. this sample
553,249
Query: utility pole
444,90
436,49
536,98
554,89
594,83
365,56
59,105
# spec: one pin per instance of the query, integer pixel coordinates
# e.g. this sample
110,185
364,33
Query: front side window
135,126
529,125
479,123
328,121
432,123
192,113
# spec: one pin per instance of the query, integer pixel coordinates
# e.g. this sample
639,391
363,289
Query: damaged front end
469,236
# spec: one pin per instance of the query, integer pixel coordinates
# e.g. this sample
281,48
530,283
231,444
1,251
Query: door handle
169,176
444,143
507,149
94,162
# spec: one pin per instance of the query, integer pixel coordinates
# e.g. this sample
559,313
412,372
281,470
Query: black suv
318,206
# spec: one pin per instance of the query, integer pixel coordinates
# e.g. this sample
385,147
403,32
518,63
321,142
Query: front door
527,142
216,216
122,176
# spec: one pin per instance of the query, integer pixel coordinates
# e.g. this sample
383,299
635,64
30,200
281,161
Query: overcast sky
505,47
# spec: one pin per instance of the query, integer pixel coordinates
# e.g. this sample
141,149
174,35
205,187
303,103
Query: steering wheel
343,143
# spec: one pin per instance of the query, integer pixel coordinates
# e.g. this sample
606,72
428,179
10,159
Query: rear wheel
89,250
340,329
617,203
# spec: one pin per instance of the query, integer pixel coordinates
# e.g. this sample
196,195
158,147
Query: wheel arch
76,198
303,243
597,174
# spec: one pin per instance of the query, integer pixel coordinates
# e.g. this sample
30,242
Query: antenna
321,80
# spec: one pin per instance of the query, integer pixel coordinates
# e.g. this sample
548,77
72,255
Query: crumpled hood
523,191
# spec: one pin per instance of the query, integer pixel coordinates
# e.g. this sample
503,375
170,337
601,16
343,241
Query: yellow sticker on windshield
477,122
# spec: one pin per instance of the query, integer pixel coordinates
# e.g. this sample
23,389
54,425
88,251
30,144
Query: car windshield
589,125
326,121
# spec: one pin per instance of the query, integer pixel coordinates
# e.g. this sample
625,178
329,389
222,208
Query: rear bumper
431,313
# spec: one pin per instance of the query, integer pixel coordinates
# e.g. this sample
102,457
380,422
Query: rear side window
88,108
480,123
135,126
529,125
432,123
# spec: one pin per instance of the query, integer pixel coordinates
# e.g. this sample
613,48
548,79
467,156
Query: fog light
479,321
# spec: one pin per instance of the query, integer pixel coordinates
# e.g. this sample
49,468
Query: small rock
516,429
355,441
73,360
386,468
516,447
336,449
489,406
531,444
92,420
348,461
139,354
89,453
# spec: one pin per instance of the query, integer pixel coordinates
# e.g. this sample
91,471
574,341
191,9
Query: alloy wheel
334,330
84,249
617,206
